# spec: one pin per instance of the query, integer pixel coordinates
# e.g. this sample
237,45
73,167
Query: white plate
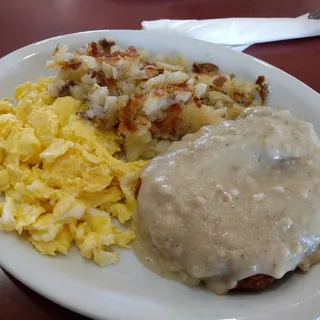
128,291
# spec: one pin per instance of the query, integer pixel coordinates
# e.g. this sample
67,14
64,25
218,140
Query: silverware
314,15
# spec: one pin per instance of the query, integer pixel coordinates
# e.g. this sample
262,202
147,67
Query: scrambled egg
61,179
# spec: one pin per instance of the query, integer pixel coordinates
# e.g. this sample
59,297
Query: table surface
23,22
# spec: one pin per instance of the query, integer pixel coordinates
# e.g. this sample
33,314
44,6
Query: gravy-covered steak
235,205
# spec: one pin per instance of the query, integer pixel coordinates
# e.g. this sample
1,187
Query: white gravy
233,200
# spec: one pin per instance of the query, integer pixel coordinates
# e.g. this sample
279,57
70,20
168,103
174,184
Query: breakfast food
150,101
61,179
73,146
234,201
64,177
68,147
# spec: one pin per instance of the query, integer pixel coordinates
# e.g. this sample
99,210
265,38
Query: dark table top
24,21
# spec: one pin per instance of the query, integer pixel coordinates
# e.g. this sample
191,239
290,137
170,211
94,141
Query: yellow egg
6,107
27,215
45,123
2,155
8,214
92,140
6,122
69,207
22,141
64,108
99,221
56,148
121,211
4,179
60,244
123,238
105,198
62,178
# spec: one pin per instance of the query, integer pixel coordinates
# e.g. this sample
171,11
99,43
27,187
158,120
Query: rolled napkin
239,33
